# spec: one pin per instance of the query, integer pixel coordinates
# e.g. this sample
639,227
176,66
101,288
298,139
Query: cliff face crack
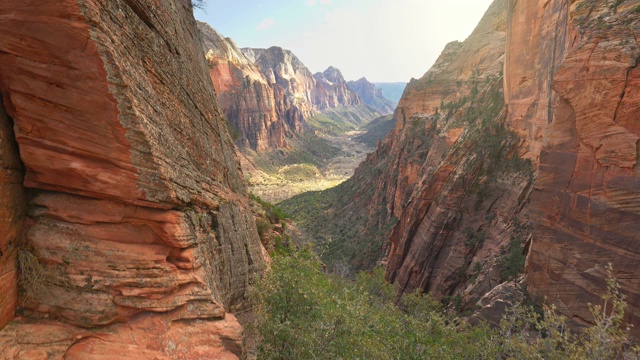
624,88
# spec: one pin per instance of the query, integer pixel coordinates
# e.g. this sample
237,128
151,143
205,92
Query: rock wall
249,101
138,218
331,90
372,96
578,111
12,210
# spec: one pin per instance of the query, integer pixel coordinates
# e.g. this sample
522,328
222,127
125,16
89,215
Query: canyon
509,171
513,161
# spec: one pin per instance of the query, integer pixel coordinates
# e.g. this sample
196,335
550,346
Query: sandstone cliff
137,237
573,98
331,90
289,77
372,96
258,110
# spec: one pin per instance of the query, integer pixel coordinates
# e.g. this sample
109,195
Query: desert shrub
263,226
34,278
304,313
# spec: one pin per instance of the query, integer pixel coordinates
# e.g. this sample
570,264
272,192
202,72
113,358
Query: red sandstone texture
269,94
458,206
331,90
138,213
571,80
12,209
585,206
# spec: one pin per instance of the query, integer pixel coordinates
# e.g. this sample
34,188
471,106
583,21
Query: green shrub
304,313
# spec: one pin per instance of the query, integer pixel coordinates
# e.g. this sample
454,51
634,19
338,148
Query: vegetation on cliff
306,314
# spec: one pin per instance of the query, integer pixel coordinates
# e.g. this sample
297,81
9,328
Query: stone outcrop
259,111
331,90
289,77
458,185
372,96
575,102
138,236
12,210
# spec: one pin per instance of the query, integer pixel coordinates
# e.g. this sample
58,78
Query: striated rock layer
12,210
458,184
259,110
137,218
578,110
331,90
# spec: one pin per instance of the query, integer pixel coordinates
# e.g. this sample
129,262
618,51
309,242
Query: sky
382,40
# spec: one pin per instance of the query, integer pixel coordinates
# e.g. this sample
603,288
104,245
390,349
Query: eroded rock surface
259,111
585,205
138,212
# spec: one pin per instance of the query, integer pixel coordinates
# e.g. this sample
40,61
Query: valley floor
291,180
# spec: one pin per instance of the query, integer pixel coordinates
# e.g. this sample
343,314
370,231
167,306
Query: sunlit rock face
456,183
572,88
137,220
565,179
372,96
258,110
331,90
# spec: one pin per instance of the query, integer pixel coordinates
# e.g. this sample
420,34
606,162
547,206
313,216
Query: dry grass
34,278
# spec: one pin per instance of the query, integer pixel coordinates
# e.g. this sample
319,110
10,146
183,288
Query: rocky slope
372,96
138,236
271,97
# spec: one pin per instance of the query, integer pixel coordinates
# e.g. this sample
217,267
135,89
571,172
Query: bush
306,314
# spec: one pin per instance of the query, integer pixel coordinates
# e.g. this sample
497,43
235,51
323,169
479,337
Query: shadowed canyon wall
138,236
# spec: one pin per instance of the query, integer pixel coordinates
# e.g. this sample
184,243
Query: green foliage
233,130
342,119
272,212
528,334
263,226
306,314
377,129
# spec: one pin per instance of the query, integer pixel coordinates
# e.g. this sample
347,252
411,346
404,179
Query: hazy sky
382,40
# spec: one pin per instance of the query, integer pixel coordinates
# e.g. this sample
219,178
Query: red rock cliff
137,217
331,90
249,101
372,96
576,104
460,185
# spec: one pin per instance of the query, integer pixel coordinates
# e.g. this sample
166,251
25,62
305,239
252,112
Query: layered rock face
12,210
248,99
331,90
372,96
289,77
577,107
137,231
269,94
459,189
